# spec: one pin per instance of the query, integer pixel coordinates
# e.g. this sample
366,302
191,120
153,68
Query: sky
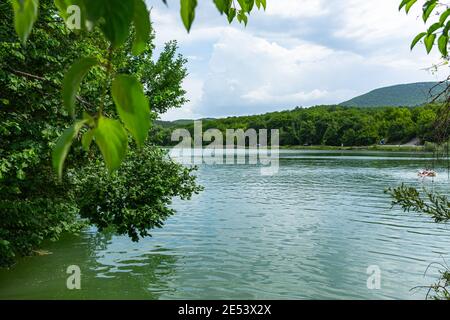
297,53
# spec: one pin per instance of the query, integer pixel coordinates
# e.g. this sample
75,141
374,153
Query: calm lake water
309,232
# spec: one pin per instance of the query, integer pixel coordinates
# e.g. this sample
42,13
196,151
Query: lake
309,232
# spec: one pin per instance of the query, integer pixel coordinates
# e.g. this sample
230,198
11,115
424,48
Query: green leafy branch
410,199
116,19
437,32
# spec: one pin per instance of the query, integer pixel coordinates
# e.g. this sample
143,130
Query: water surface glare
309,232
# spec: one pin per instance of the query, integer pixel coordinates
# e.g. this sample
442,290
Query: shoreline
390,148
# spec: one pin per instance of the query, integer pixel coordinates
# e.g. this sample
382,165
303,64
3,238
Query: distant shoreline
392,148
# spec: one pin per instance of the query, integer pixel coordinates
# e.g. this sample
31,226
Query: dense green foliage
410,199
115,20
329,125
34,206
404,95
135,199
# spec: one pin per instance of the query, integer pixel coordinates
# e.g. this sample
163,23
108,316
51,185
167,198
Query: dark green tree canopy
33,204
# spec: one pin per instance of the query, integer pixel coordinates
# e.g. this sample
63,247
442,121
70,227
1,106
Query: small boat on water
427,173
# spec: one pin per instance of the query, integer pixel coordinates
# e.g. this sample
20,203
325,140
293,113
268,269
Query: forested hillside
404,95
328,125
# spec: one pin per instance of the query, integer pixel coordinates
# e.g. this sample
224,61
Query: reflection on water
309,232
110,270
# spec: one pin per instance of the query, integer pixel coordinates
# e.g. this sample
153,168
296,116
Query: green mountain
405,95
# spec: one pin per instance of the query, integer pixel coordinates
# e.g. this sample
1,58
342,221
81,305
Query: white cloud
368,21
280,61
296,8
169,27
194,88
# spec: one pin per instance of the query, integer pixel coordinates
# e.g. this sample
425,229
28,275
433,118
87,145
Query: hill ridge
401,95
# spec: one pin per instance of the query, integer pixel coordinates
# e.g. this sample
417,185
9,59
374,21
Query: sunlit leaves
114,18
72,81
141,21
407,4
232,9
112,140
417,39
242,17
25,15
246,5
63,145
132,106
428,9
434,27
249,5
231,14
442,45
429,42
437,30
86,140
444,16
223,5
243,4
188,12
260,3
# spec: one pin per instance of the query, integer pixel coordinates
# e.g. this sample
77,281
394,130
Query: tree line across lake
326,125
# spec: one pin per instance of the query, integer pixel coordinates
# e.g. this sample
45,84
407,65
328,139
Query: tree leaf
443,43
242,17
25,15
117,17
429,42
188,12
434,27
417,39
250,4
409,5
444,17
72,81
263,2
402,4
142,25
132,106
231,14
243,5
86,140
62,147
221,5
428,9
112,140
